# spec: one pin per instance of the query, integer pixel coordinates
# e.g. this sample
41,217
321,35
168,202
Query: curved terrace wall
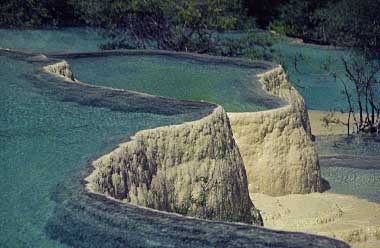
276,145
175,168
82,218
193,168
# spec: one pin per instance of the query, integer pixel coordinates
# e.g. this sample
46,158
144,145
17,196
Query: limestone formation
61,68
194,169
276,145
159,166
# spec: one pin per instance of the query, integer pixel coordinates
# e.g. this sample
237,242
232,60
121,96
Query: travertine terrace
276,145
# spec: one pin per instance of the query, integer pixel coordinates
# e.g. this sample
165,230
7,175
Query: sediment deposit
276,145
343,217
318,126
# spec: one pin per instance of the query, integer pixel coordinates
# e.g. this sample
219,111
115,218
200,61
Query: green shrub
279,27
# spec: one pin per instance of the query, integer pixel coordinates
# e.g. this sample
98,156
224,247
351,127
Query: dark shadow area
325,185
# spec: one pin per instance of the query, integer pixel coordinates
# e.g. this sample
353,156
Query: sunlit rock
276,145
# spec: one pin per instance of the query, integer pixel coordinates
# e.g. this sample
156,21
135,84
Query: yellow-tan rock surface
174,168
194,168
276,145
343,217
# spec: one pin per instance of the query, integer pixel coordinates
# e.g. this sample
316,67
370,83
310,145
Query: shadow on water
325,185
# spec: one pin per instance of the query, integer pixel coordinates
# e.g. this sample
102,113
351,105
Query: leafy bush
302,19
252,45
279,27
179,25
30,13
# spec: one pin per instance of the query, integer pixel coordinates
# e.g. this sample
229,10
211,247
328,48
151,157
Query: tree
300,18
32,13
179,25
264,10
23,13
355,25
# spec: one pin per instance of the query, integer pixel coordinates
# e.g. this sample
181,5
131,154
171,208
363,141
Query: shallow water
47,137
320,90
235,88
42,142
354,145
351,164
363,183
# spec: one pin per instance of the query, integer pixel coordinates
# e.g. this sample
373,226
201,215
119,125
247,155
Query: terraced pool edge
303,239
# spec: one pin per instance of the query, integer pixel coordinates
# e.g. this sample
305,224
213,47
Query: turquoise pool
316,85
43,141
320,90
235,88
49,132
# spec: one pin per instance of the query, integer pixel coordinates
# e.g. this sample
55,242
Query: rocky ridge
193,169
276,145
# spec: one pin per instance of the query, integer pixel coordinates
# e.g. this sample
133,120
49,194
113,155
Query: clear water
319,89
363,183
351,164
42,141
233,87
45,141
